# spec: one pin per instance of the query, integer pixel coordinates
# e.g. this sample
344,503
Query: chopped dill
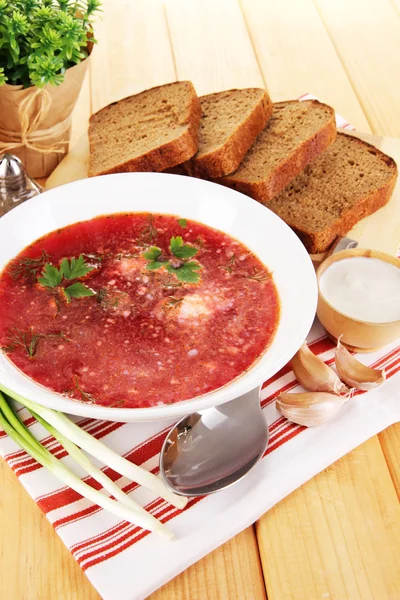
27,267
172,302
257,275
233,268
148,234
171,283
231,264
28,340
117,403
84,396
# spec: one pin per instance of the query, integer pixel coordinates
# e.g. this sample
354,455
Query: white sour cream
367,289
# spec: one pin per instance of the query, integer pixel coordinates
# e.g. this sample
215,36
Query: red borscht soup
136,310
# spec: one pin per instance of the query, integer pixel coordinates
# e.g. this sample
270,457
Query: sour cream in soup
367,289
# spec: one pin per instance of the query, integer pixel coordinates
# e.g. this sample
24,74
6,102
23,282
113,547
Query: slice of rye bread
351,180
150,131
230,122
295,135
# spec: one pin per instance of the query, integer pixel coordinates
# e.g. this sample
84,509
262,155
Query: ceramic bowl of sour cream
359,298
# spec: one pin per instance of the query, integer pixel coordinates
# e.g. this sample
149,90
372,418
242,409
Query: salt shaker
15,185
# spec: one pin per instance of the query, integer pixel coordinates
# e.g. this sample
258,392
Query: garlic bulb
314,375
354,373
310,408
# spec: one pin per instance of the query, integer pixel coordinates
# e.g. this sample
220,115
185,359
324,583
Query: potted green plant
44,46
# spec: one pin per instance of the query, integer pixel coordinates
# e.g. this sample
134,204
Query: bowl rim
350,253
201,402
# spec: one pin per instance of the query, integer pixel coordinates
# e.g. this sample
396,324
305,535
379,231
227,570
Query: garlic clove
310,408
314,375
354,373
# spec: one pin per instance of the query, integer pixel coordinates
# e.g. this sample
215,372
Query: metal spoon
214,448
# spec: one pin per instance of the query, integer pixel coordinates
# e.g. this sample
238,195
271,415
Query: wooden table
337,536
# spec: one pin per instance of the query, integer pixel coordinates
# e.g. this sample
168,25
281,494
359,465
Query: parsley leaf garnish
153,265
187,272
182,222
75,267
178,265
70,269
181,250
175,244
152,253
77,290
51,276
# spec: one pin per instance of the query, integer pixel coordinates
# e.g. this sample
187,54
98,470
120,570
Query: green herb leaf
75,267
152,253
181,250
77,290
182,222
175,244
41,39
154,265
187,272
51,276
193,265
186,252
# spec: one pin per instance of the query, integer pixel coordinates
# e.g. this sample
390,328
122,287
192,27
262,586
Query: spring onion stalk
17,431
94,471
97,449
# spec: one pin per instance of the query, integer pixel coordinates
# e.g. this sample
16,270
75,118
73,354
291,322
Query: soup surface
136,310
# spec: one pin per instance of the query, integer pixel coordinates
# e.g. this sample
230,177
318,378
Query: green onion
70,436
97,449
95,472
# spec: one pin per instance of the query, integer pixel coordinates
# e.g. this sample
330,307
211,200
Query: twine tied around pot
31,136
35,123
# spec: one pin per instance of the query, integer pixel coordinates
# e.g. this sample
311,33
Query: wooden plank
74,166
81,113
133,52
296,56
390,442
338,536
211,45
366,36
35,564
232,572
396,5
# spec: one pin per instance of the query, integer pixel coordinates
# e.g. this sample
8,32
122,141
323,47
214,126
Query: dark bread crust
264,190
164,156
227,158
319,241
